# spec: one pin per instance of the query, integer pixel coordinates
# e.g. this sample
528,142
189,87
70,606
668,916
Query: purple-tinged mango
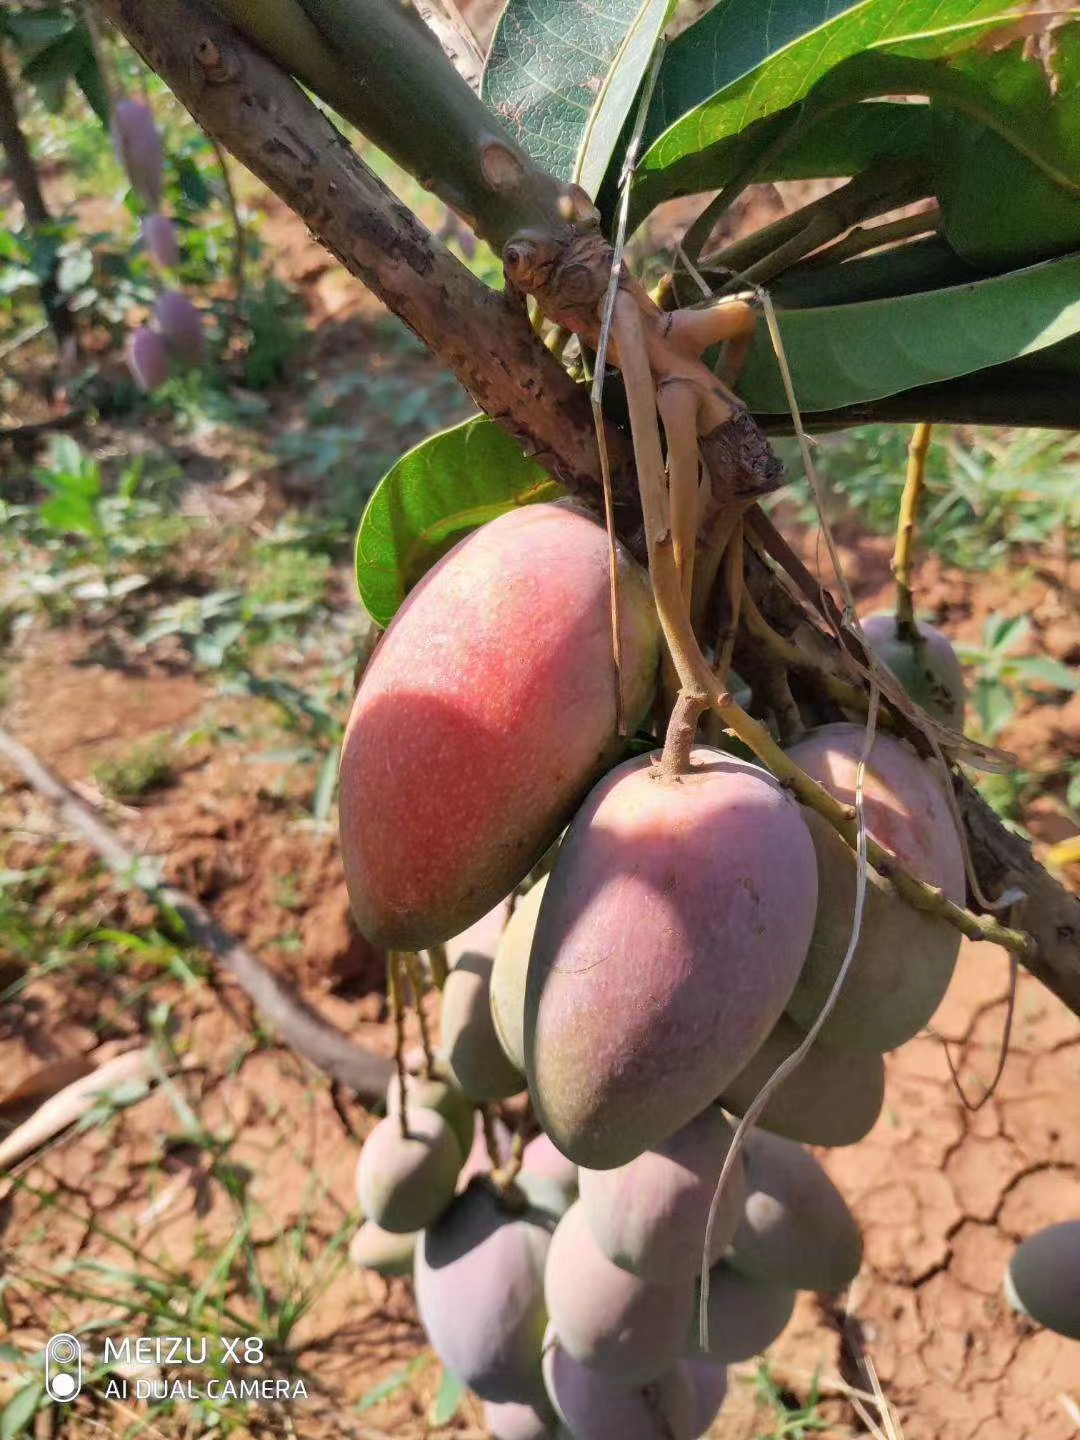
512,1420
649,1215
673,928
710,1386
796,1228
905,957
140,148
604,1316
147,357
405,1181
745,1317
480,1293
159,237
487,710
596,1405
181,324
833,1098
1043,1278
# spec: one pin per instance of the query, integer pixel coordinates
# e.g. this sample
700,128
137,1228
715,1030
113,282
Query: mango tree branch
242,99
267,122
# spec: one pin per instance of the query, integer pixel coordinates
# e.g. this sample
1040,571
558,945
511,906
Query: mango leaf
17,1414
847,354
564,78
976,166
747,61
448,484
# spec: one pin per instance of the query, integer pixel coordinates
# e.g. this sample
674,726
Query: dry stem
301,1028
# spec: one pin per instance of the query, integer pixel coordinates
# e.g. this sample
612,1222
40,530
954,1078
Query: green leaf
72,514
976,167
564,78
1048,671
57,61
845,354
448,484
450,1395
32,29
747,61
392,1384
19,1410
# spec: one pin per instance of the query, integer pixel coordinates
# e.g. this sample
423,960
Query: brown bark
267,122
24,176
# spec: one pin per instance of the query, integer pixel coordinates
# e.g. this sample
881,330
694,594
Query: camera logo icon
63,1368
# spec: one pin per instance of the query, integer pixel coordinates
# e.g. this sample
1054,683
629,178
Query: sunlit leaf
564,78
445,486
747,61
844,354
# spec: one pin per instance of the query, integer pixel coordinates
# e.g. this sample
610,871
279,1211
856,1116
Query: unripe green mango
509,978
405,1181
373,1248
487,710
928,668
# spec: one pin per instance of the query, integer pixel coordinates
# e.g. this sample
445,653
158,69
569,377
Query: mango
928,668
470,1045
373,1248
486,712
649,1215
514,1421
181,324
436,1092
672,930
710,1386
833,1098
604,1316
480,1292
404,1182
1043,1278
796,1228
905,957
508,978
745,1316
596,1405
148,358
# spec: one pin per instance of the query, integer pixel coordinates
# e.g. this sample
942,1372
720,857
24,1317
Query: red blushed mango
671,933
487,710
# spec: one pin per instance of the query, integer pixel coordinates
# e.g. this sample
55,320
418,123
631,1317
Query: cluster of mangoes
176,340
681,943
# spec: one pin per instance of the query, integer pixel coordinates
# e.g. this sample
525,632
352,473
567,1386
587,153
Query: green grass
987,491
140,771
